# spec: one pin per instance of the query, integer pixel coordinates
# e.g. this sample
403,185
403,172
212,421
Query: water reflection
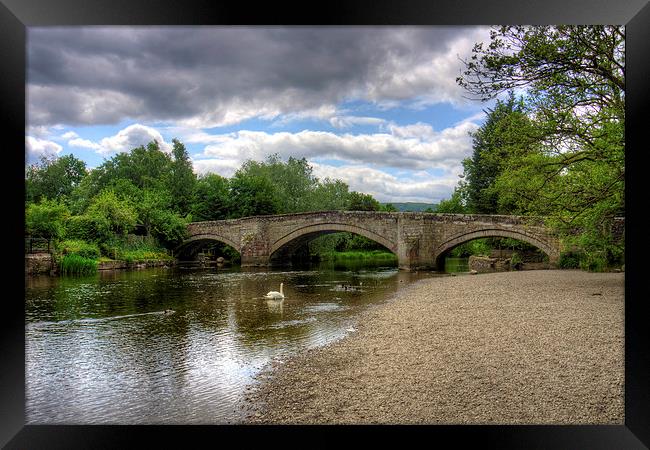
101,349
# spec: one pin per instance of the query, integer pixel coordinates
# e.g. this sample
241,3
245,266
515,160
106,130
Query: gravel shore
531,347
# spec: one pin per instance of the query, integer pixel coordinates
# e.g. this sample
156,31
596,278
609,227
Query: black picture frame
17,15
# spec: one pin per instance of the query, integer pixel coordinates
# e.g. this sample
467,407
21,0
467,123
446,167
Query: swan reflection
275,306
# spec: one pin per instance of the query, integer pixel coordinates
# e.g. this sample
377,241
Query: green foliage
46,219
53,178
182,180
569,260
594,262
83,228
506,133
513,244
252,196
80,248
358,201
112,215
149,191
132,248
573,171
143,167
328,195
170,229
292,181
382,255
454,205
477,247
343,242
74,264
210,198
220,249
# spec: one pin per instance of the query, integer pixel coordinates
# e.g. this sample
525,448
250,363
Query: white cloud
412,147
69,135
224,167
84,143
349,121
389,188
125,140
410,152
419,130
36,147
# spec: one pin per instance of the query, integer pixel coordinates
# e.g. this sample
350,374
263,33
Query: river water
102,349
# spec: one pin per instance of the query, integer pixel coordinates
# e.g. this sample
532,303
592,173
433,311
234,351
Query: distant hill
414,207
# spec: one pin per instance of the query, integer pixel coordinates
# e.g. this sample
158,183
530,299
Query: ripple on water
325,307
289,323
116,358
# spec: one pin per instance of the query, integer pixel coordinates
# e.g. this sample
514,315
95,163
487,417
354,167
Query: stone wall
39,263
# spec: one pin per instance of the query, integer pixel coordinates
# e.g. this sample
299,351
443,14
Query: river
103,350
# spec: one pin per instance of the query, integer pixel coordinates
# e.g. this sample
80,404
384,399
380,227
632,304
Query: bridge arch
202,238
445,247
307,233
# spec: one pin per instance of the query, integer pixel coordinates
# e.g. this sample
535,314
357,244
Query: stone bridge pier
420,240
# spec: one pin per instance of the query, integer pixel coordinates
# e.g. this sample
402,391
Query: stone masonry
420,240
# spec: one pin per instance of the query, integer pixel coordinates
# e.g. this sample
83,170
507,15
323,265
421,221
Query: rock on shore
537,347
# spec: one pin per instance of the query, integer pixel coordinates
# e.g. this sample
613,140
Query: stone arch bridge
420,240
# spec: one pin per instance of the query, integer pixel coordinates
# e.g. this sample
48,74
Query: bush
569,260
133,248
79,247
77,265
84,228
477,247
115,215
594,262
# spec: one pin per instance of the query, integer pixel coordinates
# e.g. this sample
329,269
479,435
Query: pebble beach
529,347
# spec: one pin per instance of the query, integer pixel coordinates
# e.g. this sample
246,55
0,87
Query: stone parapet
420,240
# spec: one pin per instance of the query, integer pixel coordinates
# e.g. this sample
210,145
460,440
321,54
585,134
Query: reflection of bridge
419,240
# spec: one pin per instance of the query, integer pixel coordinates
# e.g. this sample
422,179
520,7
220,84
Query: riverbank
533,347
43,264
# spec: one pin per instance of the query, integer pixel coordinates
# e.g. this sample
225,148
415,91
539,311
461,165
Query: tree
144,167
358,201
252,196
453,205
54,178
46,219
181,179
328,195
115,216
293,181
210,198
152,208
506,133
574,79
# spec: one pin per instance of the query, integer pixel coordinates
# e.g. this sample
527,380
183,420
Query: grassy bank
79,257
74,264
378,255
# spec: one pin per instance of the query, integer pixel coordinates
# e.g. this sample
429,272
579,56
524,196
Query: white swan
276,294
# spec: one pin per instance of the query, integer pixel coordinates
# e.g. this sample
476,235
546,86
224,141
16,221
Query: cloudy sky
377,107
